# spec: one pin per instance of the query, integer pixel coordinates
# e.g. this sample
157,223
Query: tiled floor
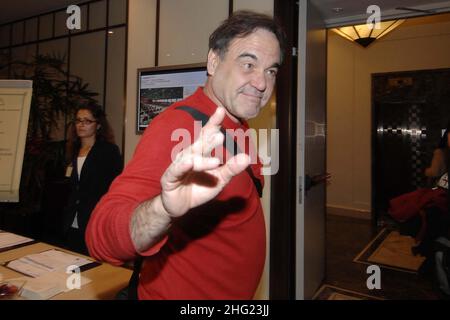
346,237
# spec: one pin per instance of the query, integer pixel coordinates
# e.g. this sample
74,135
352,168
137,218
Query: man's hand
191,180
195,177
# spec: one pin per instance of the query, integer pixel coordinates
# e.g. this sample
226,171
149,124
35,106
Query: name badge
69,171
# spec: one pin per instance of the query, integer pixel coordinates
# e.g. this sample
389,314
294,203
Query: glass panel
363,30
349,31
31,30
4,35
3,61
46,26
89,64
118,12
97,15
56,48
263,6
392,25
83,20
18,33
61,23
186,41
115,99
22,55
342,34
383,25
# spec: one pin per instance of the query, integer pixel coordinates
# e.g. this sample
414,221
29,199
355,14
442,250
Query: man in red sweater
197,221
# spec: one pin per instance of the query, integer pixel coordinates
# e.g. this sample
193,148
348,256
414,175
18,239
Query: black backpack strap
134,280
256,181
200,116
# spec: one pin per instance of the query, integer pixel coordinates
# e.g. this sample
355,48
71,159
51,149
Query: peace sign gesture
195,177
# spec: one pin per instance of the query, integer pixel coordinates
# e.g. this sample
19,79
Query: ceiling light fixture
365,34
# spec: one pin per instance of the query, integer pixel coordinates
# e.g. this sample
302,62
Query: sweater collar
210,107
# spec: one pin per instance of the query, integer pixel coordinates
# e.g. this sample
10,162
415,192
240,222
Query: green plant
56,95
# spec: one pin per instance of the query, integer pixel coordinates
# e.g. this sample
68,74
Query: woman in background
95,161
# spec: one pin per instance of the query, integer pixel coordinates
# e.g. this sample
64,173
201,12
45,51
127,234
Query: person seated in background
417,211
435,217
95,161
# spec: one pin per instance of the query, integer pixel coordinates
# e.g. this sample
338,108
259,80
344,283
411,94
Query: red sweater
215,251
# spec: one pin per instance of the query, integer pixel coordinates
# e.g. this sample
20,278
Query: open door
311,148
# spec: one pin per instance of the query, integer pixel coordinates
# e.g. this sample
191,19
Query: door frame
283,185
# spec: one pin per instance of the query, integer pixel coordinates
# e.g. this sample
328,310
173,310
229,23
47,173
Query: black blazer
103,163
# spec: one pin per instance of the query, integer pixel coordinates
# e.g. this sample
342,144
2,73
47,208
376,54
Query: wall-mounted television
159,87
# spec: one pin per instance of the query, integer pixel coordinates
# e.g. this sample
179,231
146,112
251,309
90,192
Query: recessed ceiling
12,10
356,11
352,10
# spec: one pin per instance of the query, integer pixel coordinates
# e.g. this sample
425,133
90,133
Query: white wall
187,40
141,54
263,6
413,46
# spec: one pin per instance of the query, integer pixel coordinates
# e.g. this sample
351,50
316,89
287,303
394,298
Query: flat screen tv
159,87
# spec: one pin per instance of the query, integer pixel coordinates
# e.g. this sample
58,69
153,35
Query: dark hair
104,133
241,24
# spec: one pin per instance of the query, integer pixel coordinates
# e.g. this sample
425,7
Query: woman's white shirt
80,163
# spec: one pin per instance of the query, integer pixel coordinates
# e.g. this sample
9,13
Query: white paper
38,264
48,285
38,289
8,239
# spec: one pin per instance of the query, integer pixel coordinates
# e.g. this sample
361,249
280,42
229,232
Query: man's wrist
160,209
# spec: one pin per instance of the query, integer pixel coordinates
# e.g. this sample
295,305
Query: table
107,279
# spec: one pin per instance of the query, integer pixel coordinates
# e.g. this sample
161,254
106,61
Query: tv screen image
160,87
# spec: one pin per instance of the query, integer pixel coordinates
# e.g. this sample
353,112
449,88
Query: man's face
242,81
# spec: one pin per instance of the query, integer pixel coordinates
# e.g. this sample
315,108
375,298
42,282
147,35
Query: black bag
130,291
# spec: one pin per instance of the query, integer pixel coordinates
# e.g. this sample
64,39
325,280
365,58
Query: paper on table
38,264
40,289
48,285
8,239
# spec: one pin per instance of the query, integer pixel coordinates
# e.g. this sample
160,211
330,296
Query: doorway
410,110
297,222
373,158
